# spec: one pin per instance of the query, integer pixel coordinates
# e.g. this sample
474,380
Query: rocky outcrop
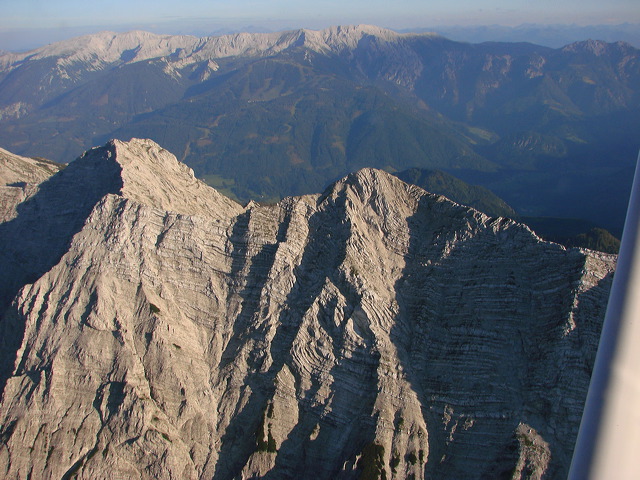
19,179
373,331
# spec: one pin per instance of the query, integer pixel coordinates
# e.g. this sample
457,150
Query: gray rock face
373,331
19,179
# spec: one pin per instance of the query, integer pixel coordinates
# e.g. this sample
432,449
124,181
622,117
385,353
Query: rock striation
373,331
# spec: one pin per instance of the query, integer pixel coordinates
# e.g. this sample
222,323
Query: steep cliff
373,331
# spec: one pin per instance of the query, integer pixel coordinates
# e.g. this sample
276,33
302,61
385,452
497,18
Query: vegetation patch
267,444
371,463
394,461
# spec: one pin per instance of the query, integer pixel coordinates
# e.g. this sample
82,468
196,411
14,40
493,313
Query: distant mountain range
554,36
261,116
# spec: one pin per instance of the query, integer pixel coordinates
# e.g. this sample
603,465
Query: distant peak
373,186
596,47
108,47
358,30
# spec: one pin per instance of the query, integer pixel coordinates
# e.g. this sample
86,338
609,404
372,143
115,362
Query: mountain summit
371,330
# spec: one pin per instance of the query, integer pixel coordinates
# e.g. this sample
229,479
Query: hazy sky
36,22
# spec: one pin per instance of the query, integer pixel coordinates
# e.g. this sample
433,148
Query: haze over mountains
153,328
549,35
262,116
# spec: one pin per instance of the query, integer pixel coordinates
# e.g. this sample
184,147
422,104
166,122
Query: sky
30,23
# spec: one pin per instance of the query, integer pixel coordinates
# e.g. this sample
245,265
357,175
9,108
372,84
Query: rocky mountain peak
152,176
139,171
346,37
372,181
106,48
595,47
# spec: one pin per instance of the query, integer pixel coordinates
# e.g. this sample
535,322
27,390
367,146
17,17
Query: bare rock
19,179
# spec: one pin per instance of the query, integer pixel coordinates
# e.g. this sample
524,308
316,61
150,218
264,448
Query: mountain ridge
373,327
112,47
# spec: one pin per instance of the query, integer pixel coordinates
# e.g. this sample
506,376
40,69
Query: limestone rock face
373,331
19,179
